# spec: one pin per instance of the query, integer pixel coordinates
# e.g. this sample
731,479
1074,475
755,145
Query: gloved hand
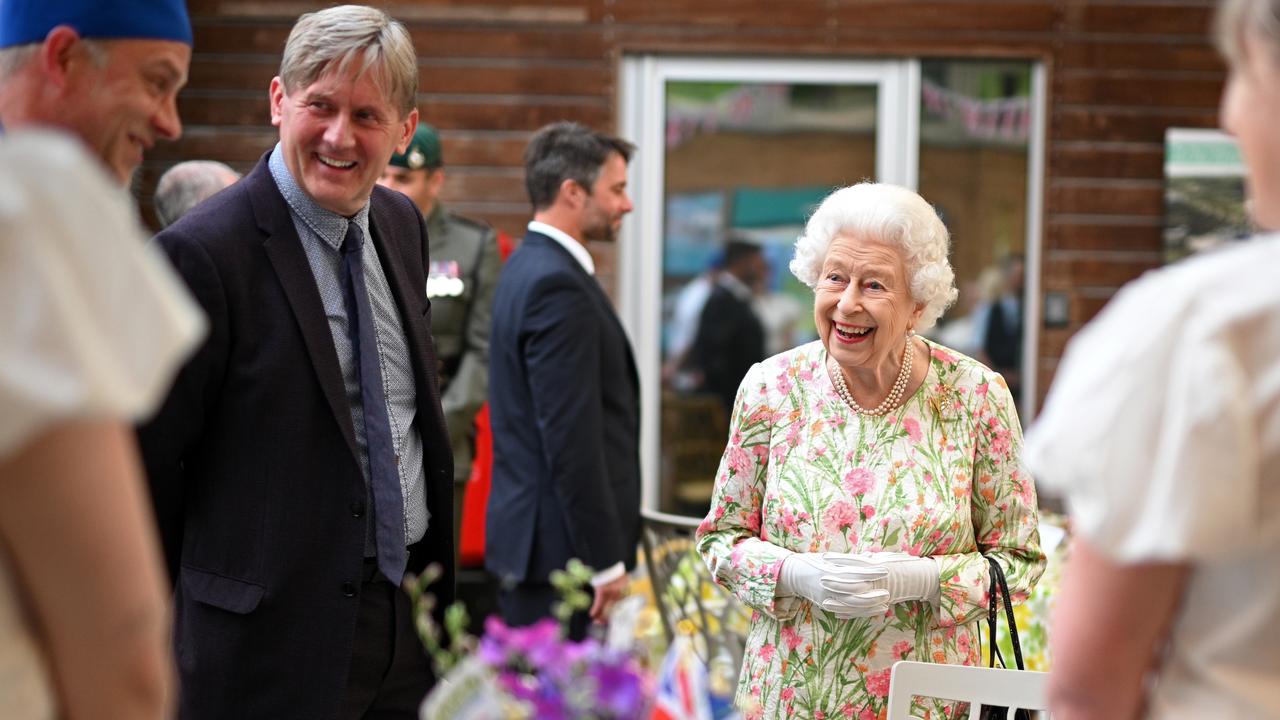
837,588
908,577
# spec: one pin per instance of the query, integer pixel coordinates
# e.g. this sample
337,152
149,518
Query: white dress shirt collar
568,242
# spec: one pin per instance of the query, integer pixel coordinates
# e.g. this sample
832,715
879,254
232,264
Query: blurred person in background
869,476
1162,431
998,324
730,336
188,184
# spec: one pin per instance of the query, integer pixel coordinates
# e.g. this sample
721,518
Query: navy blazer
252,459
564,405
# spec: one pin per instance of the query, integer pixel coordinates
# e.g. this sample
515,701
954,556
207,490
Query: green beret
423,150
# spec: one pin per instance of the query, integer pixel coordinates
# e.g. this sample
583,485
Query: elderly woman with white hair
868,476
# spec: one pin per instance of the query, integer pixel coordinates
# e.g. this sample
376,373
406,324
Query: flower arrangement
562,680
528,672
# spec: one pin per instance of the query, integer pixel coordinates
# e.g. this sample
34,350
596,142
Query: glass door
733,156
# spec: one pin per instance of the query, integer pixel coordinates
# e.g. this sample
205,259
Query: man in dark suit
730,337
564,395
1000,328
300,466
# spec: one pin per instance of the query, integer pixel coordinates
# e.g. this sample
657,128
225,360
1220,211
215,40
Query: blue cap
29,21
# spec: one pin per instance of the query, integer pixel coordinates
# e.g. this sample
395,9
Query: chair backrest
1014,689
688,599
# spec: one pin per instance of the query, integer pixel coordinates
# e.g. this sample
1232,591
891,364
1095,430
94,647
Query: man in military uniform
460,282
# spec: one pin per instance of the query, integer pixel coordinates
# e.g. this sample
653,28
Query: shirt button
357,509
348,589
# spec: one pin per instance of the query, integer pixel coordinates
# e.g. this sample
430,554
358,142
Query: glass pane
975,136
745,165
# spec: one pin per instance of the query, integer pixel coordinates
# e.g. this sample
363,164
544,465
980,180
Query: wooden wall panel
1118,124
1021,17
522,43
1191,20
1138,89
721,13
485,76
1121,73
1086,159
1102,197
1128,53
1094,233
1099,270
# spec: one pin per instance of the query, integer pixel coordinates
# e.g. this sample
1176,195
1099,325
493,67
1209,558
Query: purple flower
559,679
620,688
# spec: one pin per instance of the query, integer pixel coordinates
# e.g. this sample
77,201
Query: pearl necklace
895,393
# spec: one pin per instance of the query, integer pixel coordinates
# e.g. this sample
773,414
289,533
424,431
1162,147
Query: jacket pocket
220,591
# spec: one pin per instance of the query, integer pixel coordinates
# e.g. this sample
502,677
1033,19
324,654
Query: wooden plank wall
1121,71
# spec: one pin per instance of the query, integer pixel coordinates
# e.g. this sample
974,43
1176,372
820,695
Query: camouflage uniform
460,282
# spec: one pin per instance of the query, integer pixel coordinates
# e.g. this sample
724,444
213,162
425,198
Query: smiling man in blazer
564,397
300,466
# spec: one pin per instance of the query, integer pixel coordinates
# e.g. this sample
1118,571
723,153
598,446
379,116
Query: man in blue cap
460,282
106,71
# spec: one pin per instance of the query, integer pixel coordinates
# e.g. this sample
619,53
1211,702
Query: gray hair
1237,19
889,214
188,184
13,58
334,38
567,151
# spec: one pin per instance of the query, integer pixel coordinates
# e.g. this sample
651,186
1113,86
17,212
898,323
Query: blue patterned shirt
321,232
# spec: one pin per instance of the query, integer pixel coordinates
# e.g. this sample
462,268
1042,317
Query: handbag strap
999,588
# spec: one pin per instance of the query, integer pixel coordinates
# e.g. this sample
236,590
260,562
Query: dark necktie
384,476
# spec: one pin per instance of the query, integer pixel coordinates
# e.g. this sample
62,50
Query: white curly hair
889,214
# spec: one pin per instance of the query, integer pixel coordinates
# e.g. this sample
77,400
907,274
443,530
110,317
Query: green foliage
447,645
571,583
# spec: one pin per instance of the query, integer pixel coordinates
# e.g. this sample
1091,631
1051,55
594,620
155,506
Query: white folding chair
977,686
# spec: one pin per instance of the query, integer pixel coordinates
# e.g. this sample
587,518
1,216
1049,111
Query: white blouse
93,323
1162,431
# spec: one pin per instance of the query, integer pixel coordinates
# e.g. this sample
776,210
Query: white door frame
642,98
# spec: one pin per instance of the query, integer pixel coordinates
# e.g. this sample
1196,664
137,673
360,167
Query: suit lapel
289,260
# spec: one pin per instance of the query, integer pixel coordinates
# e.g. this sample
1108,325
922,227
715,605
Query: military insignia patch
444,279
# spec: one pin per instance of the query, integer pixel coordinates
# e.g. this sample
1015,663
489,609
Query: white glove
908,578
837,588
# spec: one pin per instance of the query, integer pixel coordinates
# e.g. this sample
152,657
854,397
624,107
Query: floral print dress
939,476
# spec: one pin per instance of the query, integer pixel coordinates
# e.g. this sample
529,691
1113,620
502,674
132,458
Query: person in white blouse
93,328
1162,430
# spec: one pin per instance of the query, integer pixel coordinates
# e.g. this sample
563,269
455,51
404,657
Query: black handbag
1000,589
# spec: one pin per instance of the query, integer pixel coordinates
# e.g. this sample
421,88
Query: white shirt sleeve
608,575
1150,430
94,322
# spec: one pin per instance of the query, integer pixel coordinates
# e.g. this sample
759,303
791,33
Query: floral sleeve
1003,509
729,537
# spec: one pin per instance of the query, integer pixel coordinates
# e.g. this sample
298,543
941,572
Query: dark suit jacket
252,460
730,340
564,405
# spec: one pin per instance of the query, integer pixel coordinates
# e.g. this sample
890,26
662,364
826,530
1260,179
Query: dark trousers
389,673
526,603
